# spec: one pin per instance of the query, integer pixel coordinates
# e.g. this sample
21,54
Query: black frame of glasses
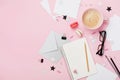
102,39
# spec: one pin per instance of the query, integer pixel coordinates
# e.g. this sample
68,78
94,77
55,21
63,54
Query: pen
112,66
115,66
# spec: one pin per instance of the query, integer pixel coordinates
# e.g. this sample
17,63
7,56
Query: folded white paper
75,57
102,74
113,31
45,5
67,7
51,49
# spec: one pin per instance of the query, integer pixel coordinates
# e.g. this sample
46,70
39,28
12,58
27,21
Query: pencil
86,57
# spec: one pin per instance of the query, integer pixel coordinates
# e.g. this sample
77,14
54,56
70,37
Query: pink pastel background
24,26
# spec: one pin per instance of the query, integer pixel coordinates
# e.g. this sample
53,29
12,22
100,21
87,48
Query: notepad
113,31
76,60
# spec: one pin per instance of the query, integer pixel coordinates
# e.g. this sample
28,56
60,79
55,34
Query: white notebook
75,55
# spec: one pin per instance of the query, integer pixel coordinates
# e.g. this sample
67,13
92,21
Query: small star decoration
108,9
52,68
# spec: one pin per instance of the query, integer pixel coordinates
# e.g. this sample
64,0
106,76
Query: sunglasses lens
102,38
99,47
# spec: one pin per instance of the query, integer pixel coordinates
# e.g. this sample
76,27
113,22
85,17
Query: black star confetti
42,60
108,9
52,68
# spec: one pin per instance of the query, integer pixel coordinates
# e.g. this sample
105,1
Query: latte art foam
91,18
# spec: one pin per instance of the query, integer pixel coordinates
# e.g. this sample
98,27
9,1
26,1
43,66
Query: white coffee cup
92,19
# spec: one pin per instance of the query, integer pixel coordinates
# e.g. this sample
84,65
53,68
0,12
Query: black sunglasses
102,39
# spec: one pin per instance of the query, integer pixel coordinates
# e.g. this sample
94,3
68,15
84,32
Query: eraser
74,25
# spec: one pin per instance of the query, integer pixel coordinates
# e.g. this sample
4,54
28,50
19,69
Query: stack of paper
113,31
76,59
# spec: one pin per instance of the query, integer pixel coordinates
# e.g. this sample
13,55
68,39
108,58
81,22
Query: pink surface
24,26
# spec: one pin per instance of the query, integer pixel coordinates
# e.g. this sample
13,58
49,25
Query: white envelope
51,49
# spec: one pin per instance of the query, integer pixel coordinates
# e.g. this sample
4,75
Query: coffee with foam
92,19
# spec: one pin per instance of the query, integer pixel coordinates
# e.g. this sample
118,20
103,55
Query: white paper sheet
67,7
113,32
75,56
51,49
102,74
45,5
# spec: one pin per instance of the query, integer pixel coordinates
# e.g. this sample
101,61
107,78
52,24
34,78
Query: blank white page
75,56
